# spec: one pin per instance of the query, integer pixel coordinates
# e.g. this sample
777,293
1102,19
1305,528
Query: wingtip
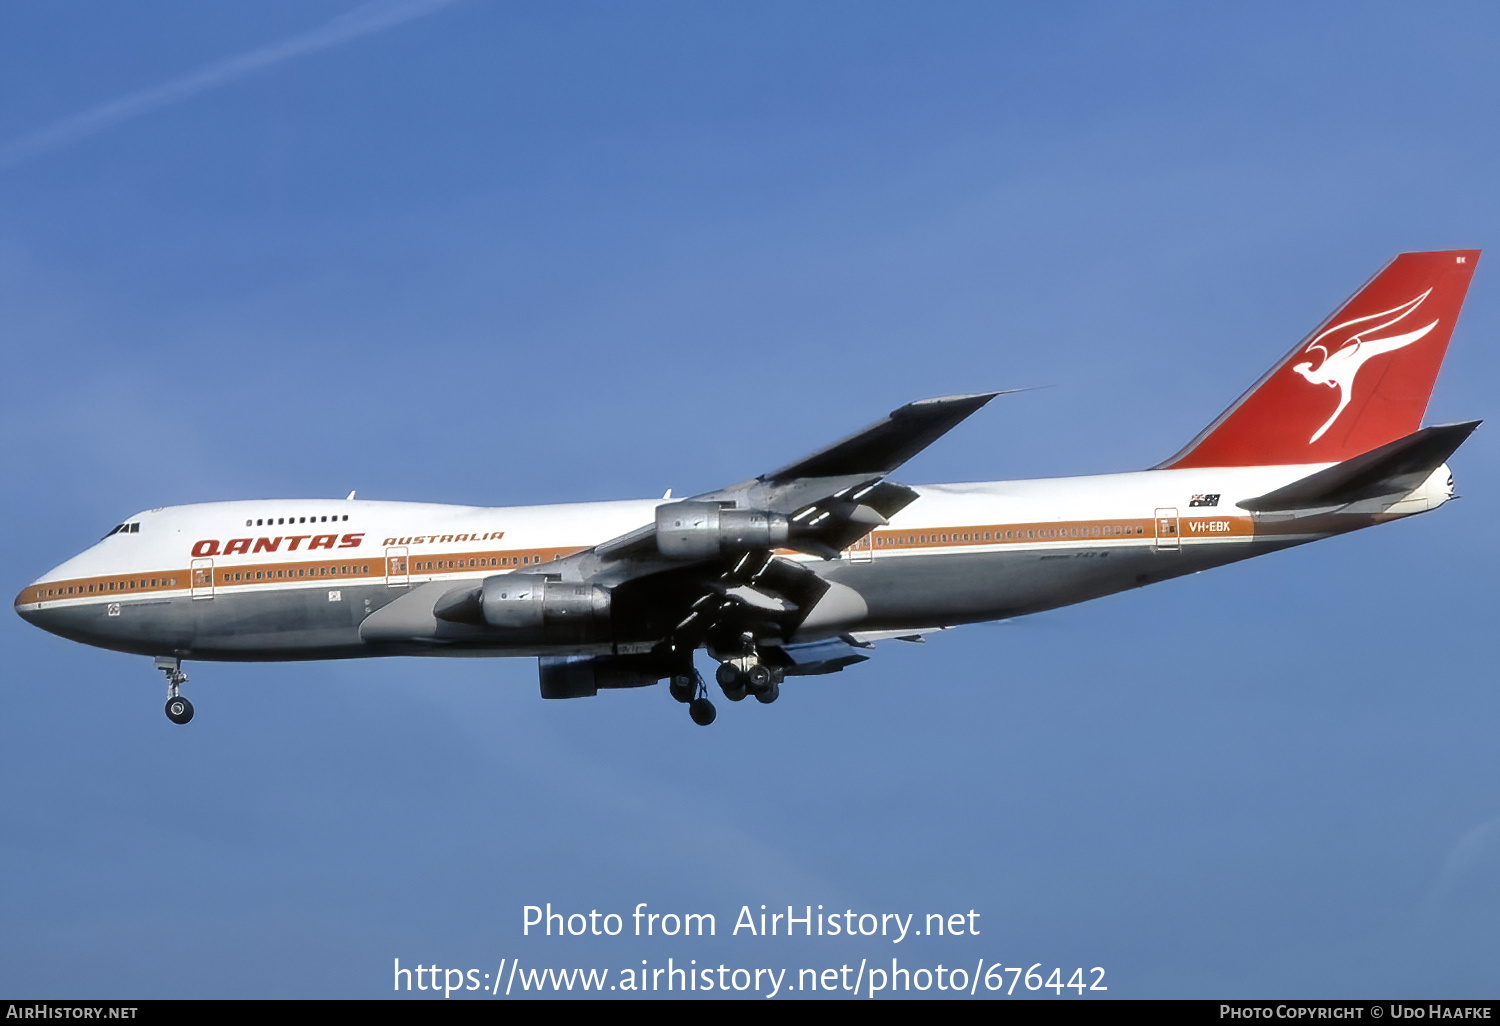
973,400
959,398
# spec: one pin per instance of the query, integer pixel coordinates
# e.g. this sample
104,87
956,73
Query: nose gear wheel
179,710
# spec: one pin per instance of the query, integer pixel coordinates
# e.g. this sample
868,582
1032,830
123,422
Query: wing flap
814,658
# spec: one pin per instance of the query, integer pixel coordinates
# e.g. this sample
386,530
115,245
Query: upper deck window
275,521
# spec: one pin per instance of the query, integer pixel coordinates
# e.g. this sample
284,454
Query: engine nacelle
530,604
585,676
702,530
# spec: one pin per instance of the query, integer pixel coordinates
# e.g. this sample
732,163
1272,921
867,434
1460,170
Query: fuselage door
397,569
1167,537
863,551
201,577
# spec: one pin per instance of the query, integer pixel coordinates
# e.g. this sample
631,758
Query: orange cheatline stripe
1058,531
507,559
1012,534
372,566
368,567
109,587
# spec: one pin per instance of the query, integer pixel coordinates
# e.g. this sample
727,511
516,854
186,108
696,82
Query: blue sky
515,253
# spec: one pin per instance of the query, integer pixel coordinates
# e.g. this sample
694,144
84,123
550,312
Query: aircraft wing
885,445
712,569
712,565
832,497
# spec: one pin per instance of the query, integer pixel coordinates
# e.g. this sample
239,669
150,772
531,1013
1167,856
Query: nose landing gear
179,709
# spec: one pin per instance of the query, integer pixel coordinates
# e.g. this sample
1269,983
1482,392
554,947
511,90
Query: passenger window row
300,572
277,521
459,564
1015,534
106,586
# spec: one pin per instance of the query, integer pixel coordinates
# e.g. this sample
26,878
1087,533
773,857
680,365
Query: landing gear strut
748,676
741,673
689,689
179,709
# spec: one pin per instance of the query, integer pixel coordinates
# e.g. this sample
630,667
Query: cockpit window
134,528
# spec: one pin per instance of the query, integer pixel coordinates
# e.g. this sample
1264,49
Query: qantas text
235,546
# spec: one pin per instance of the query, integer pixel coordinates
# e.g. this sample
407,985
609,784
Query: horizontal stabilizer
885,445
1393,469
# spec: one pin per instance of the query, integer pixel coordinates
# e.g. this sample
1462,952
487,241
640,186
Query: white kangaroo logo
1342,360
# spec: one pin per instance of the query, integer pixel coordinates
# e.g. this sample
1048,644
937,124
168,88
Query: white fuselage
295,579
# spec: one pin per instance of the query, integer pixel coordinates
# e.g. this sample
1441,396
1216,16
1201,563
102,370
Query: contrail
372,17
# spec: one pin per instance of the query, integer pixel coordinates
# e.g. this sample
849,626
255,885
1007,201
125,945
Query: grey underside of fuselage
945,590
900,591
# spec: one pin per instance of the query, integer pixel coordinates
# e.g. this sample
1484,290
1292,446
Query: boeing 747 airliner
797,571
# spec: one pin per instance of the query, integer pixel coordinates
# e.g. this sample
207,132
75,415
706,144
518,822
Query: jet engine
532,606
703,530
586,676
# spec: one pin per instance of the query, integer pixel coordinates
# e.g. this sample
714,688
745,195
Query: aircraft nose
74,622
31,606
27,607
26,595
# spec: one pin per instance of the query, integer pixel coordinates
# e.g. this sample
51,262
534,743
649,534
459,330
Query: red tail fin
1360,380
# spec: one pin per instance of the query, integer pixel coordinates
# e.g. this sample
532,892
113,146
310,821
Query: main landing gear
736,681
179,709
740,677
689,689
741,673
702,711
